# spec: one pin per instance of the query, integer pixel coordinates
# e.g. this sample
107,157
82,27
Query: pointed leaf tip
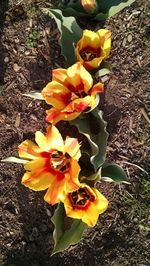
14,160
34,95
113,173
65,237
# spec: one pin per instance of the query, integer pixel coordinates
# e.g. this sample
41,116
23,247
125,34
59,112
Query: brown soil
121,235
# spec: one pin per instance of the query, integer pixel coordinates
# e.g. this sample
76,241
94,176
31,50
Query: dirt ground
29,50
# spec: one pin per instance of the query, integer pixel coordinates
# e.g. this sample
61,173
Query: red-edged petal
72,147
54,116
56,94
28,150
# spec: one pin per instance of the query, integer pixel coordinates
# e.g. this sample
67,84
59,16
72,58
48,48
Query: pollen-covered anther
80,197
88,55
60,161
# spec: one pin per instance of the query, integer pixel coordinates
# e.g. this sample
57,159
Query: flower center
60,161
89,54
80,197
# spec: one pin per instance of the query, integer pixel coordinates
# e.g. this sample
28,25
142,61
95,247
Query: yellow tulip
53,164
70,92
93,48
85,203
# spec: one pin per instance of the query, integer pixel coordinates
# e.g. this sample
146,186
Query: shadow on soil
112,115
3,9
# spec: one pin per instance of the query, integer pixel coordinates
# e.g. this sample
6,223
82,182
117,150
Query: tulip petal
39,177
90,217
59,75
54,192
78,105
80,78
28,150
52,141
72,177
72,147
54,138
89,39
105,36
56,94
35,165
37,184
54,116
101,201
97,88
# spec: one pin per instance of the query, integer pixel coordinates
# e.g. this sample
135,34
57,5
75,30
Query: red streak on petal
66,98
46,169
28,150
79,107
80,87
107,35
97,88
52,115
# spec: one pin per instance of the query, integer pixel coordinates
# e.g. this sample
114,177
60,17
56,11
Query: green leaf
70,33
73,9
113,173
109,8
64,238
91,180
104,70
93,127
14,160
34,95
105,9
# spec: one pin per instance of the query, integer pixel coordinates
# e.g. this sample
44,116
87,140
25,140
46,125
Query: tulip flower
53,164
70,92
85,203
89,5
93,48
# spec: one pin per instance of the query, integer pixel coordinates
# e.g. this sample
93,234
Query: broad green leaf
34,95
105,9
93,127
69,11
109,8
70,33
76,9
65,237
14,160
113,173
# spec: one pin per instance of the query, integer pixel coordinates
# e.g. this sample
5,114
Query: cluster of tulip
53,163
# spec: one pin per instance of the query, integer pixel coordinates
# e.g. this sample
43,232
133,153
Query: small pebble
16,40
16,67
6,59
124,42
129,38
48,212
135,220
27,52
